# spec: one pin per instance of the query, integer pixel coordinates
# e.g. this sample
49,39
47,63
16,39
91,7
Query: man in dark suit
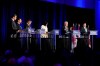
11,31
12,26
84,30
66,33
65,30
19,28
85,33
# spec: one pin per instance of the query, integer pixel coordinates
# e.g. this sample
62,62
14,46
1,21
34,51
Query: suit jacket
14,26
84,32
19,27
65,31
11,28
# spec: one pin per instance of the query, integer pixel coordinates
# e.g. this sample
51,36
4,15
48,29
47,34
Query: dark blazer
14,26
64,32
83,32
19,27
11,27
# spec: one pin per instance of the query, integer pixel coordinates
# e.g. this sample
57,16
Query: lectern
76,33
92,33
54,33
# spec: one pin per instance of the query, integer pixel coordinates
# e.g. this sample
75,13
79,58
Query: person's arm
88,31
19,29
14,26
82,31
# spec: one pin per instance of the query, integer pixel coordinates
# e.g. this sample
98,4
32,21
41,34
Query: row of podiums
54,41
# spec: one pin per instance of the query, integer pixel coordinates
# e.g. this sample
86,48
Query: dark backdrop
39,12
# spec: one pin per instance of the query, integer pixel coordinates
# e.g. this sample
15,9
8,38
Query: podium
26,38
93,33
76,33
53,36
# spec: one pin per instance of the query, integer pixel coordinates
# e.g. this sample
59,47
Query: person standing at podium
67,36
12,26
19,28
65,31
11,31
28,26
45,30
84,30
85,33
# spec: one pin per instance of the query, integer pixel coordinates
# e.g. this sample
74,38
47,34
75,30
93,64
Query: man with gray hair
65,28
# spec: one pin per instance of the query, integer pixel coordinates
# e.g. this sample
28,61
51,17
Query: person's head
14,17
84,24
66,23
29,22
19,21
45,23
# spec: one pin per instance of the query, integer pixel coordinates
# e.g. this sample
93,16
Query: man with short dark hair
19,28
12,26
13,22
85,32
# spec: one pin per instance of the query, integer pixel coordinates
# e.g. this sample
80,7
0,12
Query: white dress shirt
85,29
45,28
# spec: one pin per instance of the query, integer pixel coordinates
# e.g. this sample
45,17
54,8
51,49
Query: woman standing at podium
44,28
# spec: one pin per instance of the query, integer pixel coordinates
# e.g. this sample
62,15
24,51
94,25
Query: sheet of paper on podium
93,32
76,32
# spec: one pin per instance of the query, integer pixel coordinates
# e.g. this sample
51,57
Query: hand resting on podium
18,31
